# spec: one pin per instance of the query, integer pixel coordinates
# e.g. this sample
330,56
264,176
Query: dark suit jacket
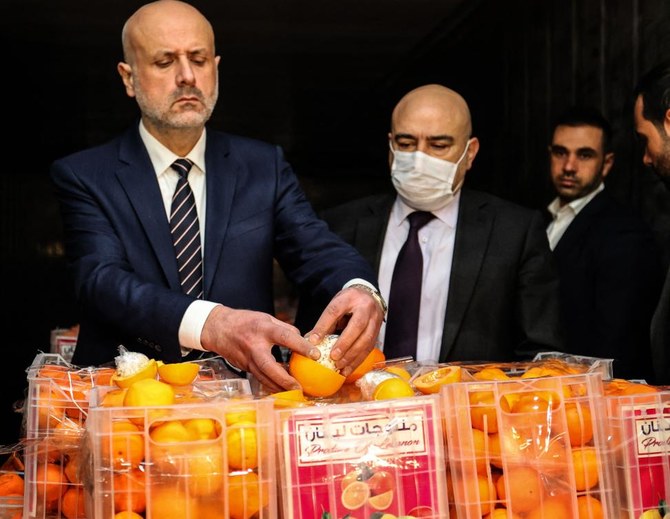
503,293
119,245
610,276
660,335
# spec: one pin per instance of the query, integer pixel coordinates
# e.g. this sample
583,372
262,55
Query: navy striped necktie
402,322
185,230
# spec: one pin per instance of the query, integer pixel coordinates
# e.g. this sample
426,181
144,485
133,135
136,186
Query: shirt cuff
359,281
192,324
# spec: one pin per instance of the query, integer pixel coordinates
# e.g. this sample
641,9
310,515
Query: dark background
320,79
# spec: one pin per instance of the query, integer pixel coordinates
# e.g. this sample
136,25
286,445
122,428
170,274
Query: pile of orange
204,455
525,448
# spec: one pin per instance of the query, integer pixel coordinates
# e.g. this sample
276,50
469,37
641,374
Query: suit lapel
581,224
141,186
221,178
371,230
473,230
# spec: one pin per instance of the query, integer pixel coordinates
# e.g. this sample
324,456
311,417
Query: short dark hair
654,87
586,116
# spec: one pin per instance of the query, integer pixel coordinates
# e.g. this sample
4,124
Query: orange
483,412
125,446
204,470
392,388
585,466
479,496
130,491
355,495
128,515
114,398
72,503
374,357
580,425
148,370
381,501
11,483
170,502
536,402
290,398
149,392
481,450
432,381
50,482
246,495
398,370
202,428
589,508
103,376
178,373
71,469
242,444
172,431
314,378
491,374
502,513
552,508
521,488
240,413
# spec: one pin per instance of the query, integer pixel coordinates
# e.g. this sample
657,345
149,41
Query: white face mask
423,182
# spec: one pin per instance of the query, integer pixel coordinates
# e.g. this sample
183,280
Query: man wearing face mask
484,286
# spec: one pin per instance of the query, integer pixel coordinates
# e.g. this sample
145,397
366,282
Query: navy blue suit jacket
503,293
611,277
119,246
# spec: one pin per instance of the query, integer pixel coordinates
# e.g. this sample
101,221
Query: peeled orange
432,381
317,378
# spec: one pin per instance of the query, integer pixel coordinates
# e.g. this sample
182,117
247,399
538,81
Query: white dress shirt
162,158
563,216
436,240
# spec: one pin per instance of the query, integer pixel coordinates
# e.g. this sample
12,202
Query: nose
185,74
570,163
646,158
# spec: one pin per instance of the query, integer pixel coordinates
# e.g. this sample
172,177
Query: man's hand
361,315
245,339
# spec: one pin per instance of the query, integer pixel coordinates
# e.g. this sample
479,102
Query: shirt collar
447,214
576,205
162,158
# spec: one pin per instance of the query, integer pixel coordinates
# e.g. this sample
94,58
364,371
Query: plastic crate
640,440
12,485
139,459
363,460
520,444
55,415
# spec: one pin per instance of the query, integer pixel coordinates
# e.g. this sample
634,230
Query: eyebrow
431,138
558,147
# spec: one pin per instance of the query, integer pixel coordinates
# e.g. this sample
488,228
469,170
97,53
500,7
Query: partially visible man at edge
115,202
652,124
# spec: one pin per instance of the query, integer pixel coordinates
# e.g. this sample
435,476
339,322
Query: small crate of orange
55,415
528,441
191,452
374,459
639,434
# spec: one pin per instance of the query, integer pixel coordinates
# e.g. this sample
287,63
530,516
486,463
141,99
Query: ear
666,122
126,73
608,162
473,149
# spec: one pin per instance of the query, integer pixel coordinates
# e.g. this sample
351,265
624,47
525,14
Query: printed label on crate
356,461
649,426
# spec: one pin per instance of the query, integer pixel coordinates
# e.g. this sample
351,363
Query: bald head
163,19
435,103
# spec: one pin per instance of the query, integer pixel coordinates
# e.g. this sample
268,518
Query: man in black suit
606,256
116,201
652,124
489,289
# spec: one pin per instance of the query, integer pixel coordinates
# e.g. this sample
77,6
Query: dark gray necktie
185,230
402,324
